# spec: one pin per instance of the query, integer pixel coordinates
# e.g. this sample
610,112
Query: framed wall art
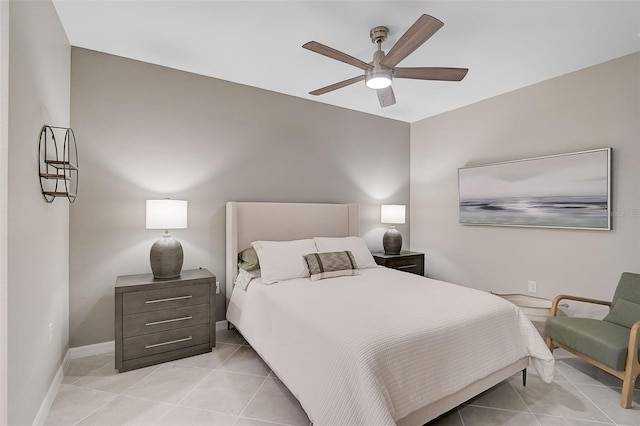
558,191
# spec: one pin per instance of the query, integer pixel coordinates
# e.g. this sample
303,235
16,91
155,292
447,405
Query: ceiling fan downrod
378,76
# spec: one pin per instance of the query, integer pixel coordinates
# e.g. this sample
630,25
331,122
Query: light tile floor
232,386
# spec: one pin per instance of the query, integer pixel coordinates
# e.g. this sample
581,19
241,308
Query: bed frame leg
524,377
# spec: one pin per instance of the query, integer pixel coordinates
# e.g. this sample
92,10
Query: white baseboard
41,417
96,349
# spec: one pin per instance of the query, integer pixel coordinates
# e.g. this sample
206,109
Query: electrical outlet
50,332
533,287
217,287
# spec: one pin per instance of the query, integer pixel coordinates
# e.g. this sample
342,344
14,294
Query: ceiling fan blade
327,51
431,73
386,97
418,33
339,85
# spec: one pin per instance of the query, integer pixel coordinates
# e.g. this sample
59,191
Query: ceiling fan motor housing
378,76
378,34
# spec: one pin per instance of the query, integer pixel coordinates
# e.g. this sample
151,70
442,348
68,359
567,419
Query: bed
381,347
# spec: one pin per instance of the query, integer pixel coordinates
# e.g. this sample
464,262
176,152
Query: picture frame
568,191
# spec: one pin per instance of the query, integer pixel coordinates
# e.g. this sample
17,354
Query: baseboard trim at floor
43,412
96,349
222,325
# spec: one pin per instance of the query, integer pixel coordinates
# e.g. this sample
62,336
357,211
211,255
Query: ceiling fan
379,73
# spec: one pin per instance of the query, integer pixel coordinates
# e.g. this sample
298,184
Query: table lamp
392,239
166,254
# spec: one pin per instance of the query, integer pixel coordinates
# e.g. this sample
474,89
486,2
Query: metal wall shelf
58,170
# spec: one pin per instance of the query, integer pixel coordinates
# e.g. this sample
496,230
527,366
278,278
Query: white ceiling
505,44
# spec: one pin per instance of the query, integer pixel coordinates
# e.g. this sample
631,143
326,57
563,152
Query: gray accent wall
593,108
146,132
38,233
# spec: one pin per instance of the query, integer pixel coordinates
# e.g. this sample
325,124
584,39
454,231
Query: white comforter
373,348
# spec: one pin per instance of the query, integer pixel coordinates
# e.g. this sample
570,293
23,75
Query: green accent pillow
248,259
331,264
624,313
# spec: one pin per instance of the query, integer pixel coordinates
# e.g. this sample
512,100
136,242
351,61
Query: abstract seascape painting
559,191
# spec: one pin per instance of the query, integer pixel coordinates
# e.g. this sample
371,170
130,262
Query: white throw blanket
373,348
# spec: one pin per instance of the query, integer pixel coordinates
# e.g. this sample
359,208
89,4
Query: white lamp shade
392,213
166,214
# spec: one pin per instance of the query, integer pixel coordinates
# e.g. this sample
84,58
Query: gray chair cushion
624,313
601,340
628,288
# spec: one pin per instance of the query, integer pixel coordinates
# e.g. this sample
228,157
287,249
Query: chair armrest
634,339
557,299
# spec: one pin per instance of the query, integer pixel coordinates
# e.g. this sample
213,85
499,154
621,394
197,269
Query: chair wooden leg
628,385
550,344
632,367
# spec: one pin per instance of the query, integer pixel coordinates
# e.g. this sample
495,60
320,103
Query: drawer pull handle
186,339
169,320
407,266
169,299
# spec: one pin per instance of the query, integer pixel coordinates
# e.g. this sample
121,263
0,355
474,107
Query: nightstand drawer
406,265
406,261
153,322
167,298
149,344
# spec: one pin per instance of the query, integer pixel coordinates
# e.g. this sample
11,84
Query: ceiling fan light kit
379,73
378,78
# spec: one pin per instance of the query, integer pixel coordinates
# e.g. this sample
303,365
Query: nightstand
162,320
407,261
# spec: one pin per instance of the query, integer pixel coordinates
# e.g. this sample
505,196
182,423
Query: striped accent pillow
331,264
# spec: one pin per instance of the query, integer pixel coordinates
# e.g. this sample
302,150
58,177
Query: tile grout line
253,396
596,405
122,393
262,421
460,415
202,381
611,421
81,387
524,402
123,396
97,409
238,372
589,399
206,376
137,381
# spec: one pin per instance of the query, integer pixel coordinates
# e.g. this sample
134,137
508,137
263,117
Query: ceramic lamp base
392,241
166,258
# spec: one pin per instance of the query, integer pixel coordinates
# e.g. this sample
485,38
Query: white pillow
283,260
355,245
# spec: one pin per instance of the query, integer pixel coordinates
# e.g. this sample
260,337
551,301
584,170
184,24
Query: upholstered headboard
248,222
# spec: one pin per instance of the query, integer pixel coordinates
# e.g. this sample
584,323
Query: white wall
38,233
147,131
4,196
592,108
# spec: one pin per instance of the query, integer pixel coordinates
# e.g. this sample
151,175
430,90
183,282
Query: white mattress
371,349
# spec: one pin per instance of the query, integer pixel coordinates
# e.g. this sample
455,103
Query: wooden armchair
611,343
